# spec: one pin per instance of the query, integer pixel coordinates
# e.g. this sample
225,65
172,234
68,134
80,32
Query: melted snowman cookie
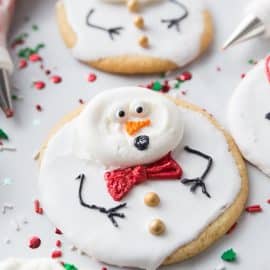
249,116
142,37
35,264
136,170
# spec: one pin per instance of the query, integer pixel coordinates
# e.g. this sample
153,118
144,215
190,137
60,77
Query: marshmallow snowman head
128,126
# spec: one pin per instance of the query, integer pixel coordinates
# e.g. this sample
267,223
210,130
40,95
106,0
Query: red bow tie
121,181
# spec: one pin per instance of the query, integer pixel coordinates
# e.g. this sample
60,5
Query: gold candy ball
139,22
133,5
151,199
144,42
157,227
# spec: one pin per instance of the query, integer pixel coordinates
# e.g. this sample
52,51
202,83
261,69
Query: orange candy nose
134,126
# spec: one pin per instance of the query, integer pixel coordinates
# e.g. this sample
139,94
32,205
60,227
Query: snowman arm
176,21
111,212
111,31
199,181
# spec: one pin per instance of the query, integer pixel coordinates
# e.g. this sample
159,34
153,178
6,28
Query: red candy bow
121,181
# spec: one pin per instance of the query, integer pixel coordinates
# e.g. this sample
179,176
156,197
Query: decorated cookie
249,116
35,264
135,36
136,169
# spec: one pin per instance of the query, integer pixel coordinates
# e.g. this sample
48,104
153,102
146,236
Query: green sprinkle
34,27
157,86
229,255
68,266
177,85
26,52
3,135
252,62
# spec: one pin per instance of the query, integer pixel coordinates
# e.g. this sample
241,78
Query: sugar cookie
177,32
96,170
249,116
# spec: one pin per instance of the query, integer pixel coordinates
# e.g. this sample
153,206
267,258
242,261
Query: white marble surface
208,88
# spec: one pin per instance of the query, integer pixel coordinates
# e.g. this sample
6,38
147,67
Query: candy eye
121,115
140,109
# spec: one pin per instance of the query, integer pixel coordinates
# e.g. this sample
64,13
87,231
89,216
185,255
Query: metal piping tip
5,94
249,28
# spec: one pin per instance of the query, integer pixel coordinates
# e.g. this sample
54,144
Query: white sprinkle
220,267
36,155
7,241
72,248
7,148
6,207
172,83
15,225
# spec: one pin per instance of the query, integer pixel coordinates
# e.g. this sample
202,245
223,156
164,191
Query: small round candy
133,5
144,41
139,22
151,199
157,227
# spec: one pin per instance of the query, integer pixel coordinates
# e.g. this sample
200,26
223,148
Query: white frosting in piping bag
92,44
246,116
184,213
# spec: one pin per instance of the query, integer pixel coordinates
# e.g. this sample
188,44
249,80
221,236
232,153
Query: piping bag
255,23
6,65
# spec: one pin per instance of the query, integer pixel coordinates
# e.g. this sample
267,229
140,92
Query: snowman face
129,126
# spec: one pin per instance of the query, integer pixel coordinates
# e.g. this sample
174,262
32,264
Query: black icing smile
142,142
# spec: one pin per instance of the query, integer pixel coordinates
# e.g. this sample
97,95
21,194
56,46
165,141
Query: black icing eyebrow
176,21
111,30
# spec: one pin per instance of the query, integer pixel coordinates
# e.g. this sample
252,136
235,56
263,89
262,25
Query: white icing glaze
246,116
34,264
117,147
185,214
179,47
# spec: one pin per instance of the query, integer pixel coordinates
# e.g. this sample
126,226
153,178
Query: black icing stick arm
199,181
111,213
176,21
112,31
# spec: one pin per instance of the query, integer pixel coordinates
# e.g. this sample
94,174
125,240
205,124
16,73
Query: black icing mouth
142,142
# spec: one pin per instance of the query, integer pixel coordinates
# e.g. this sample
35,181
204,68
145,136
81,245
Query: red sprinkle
9,113
268,201
39,85
22,64
185,76
232,228
34,242
57,231
35,57
38,107
56,79
243,75
104,268
48,72
92,77
81,101
58,243
56,254
254,208
37,207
